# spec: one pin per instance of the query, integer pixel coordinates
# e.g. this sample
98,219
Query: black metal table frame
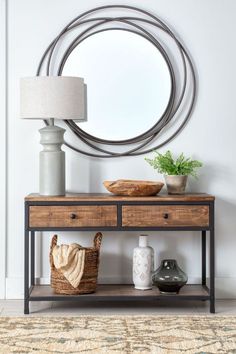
29,250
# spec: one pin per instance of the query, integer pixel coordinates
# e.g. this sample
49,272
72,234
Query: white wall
3,143
207,28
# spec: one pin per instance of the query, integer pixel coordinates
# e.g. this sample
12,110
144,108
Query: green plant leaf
166,164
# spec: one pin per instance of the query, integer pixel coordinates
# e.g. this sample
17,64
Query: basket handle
97,241
53,244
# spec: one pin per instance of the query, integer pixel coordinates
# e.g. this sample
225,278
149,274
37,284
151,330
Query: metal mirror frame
135,25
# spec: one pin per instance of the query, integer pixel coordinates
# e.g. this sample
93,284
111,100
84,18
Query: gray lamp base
52,162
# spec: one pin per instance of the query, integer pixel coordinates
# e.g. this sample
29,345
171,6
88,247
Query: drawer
73,216
165,215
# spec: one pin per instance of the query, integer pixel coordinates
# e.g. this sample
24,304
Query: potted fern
176,171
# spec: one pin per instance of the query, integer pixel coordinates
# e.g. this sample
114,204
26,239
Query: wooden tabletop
110,197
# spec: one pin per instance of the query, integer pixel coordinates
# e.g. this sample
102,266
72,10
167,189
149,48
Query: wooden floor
15,308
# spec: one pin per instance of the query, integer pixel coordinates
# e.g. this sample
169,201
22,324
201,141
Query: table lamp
49,98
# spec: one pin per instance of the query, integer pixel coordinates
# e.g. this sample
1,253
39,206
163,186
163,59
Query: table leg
203,257
26,295
212,260
212,272
32,258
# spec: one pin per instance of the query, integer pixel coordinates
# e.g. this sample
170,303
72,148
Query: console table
105,212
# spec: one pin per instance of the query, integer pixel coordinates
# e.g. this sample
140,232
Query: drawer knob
73,216
166,216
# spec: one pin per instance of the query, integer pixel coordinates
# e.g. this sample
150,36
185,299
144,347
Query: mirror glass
128,83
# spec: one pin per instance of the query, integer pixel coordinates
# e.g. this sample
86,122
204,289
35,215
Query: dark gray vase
169,278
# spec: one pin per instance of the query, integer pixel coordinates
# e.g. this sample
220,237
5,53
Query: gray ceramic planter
176,184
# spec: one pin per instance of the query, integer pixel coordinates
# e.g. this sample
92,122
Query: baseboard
2,288
14,288
225,287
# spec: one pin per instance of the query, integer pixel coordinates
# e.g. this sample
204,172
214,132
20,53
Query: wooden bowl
133,188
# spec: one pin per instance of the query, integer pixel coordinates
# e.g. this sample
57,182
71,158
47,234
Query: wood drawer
165,215
73,216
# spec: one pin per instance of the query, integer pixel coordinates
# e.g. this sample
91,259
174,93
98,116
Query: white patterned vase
143,264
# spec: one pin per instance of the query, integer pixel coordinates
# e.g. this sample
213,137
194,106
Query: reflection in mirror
128,83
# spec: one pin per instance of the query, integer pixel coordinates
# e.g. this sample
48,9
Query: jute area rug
119,334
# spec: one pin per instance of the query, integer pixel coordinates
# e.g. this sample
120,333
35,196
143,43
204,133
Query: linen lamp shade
60,97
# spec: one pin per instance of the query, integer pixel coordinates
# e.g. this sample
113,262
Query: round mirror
128,83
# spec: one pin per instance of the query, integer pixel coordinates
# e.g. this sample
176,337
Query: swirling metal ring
143,141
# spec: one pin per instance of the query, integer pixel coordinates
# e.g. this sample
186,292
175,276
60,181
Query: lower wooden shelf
120,292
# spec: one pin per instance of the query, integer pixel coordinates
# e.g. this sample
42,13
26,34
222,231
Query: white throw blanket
69,259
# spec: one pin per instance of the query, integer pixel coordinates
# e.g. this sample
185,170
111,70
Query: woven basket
88,281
